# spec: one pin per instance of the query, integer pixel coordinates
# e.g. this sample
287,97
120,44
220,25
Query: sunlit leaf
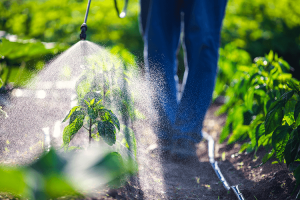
57,185
107,131
237,133
92,112
291,148
130,139
268,156
289,112
114,119
72,129
77,114
297,110
280,138
274,116
13,180
70,113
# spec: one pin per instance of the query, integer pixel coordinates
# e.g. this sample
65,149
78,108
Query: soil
169,179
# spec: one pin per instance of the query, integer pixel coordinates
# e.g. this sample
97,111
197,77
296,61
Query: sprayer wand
83,27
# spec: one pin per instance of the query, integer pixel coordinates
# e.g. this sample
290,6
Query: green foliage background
258,26
255,26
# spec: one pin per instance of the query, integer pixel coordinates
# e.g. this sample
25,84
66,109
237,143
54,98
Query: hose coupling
83,28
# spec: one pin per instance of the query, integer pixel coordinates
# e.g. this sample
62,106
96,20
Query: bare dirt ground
163,178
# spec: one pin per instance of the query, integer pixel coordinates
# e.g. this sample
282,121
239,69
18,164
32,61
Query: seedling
95,118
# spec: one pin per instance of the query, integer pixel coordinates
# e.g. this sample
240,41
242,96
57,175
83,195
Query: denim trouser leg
202,24
161,40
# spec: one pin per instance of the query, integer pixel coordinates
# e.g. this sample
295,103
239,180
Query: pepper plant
91,115
263,111
282,129
110,78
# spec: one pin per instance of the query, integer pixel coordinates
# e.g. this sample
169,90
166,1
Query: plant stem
90,132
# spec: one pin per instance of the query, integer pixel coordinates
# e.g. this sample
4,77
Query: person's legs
161,40
202,26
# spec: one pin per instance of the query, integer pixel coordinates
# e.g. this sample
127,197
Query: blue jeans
161,25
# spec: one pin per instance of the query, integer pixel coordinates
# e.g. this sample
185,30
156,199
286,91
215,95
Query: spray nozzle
83,28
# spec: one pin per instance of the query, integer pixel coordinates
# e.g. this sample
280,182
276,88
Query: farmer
180,119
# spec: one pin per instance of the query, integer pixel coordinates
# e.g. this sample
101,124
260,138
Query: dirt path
165,179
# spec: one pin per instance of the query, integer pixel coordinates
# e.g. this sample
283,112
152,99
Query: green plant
2,112
91,115
230,59
104,98
282,128
258,26
109,75
263,110
251,92
53,176
22,59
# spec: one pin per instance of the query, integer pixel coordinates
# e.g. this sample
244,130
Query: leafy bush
258,26
98,117
282,128
20,60
59,21
263,109
230,58
104,97
53,176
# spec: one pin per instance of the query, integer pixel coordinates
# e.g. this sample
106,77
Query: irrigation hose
214,164
124,11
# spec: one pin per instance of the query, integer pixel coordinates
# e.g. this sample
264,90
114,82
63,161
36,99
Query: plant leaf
72,129
99,102
267,156
291,148
297,110
280,138
107,131
114,119
293,85
286,96
77,114
70,113
260,130
249,95
93,114
265,140
49,163
297,176
237,133
289,112
130,139
92,101
13,180
274,116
